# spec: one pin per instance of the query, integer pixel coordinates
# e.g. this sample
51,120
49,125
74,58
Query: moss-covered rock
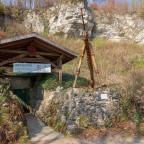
84,123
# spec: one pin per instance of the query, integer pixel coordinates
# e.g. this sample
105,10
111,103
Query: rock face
75,111
66,20
33,22
117,27
69,21
62,19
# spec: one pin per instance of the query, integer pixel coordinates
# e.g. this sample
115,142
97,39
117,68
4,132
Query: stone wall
73,111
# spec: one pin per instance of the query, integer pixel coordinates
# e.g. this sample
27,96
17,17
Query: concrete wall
34,95
20,83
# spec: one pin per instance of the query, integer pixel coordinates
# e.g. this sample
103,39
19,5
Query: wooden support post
78,69
95,65
60,70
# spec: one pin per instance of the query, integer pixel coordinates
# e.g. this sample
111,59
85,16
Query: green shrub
3,71
51,81
75,1
136,116
138,62
1,9
50,122
58,125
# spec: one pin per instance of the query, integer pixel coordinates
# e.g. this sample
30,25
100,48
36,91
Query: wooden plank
25,52
15,43
7,56
17,46
29,60
12,59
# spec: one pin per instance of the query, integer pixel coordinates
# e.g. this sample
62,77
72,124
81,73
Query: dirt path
41,134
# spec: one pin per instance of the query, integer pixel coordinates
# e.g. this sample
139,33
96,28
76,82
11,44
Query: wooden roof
47,51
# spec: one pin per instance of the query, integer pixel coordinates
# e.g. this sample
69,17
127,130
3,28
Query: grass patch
138,62
51,82
58,125
50,122
99,42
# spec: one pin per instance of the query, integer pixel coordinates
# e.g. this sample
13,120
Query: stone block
72,128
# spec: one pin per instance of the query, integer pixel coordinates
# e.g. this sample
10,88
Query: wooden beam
29,60
15,43
25,52
12,59
47,60
57,60
43,48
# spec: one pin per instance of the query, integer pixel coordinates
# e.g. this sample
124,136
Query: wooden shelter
33,48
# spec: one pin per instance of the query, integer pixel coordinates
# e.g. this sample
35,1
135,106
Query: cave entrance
22,96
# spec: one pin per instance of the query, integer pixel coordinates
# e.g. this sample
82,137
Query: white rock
33,22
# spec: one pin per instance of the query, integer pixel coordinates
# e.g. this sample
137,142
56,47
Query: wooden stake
95,66
78,69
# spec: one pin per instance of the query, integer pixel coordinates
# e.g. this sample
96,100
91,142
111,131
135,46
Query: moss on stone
49,122
58,125
83,121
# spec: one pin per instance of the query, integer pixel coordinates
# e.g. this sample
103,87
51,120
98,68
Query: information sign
31,68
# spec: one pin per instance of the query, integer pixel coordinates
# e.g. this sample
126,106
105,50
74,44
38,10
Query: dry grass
14,29
115,61
2,35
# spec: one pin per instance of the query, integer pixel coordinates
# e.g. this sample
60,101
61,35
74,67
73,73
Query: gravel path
39,133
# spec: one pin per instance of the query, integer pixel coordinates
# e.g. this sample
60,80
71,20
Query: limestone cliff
117,26
65,20
62,19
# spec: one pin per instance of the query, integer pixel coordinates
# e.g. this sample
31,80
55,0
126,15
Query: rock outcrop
33,22
65,19
62,19
116,26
